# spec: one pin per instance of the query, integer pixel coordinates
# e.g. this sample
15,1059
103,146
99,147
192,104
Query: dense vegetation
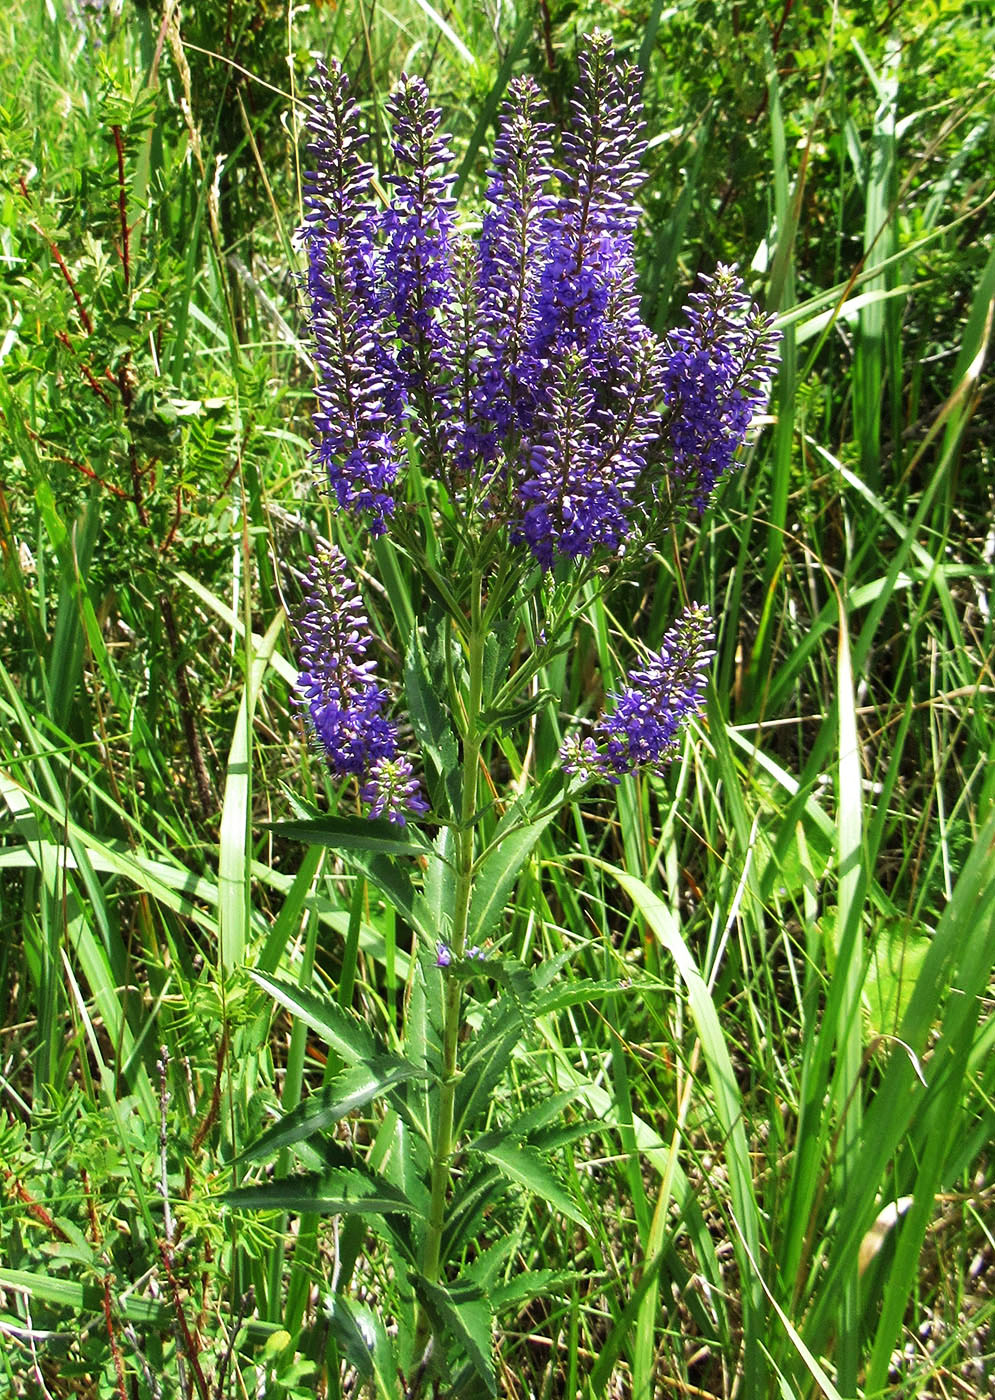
770,1169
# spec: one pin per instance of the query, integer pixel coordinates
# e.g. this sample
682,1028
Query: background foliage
776,1164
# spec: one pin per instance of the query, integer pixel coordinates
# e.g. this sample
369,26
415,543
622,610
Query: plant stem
442,1146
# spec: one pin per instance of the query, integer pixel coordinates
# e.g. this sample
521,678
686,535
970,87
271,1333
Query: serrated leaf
501,1030
347,1035
396,887
352,834
536,1284
524,1166
462,1310
336,1193
429,720
349,1090
497,875
573,994
364,1343
534,1119
440,884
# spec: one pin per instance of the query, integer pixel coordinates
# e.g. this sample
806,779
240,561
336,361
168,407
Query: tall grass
779,1143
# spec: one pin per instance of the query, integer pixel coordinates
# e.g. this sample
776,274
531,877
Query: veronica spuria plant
495,416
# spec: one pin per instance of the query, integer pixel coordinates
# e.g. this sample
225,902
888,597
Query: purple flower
512,242
417,266
443,957
393,790
519,364
356,415
344,700
642,730
571,491
715,378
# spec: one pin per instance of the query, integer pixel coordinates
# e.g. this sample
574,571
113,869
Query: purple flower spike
518,364
716,377
392,790
344,699
356,416
642,731
418,265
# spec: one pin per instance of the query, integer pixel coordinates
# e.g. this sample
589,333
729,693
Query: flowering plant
495,412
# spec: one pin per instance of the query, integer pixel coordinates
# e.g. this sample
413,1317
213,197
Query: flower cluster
345,702
518,367
642,729
520,364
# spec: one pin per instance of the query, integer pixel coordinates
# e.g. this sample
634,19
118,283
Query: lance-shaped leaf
363,1341
349,1090
498,872
566,994
350,833
502,1028
525,1166
461,1310
333,1193
424,682
347,1035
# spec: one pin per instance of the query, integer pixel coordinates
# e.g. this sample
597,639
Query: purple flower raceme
345,702
519,369
715,379
357,415
518,363
642,730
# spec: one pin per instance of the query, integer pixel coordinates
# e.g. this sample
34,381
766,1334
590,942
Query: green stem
442,1147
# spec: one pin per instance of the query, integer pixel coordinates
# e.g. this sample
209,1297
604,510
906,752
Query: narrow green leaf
497,875
352,834
536,1283
429,720
360,1335
336,1193
234,843
348,1036
462,1310
348,1091
524,1166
